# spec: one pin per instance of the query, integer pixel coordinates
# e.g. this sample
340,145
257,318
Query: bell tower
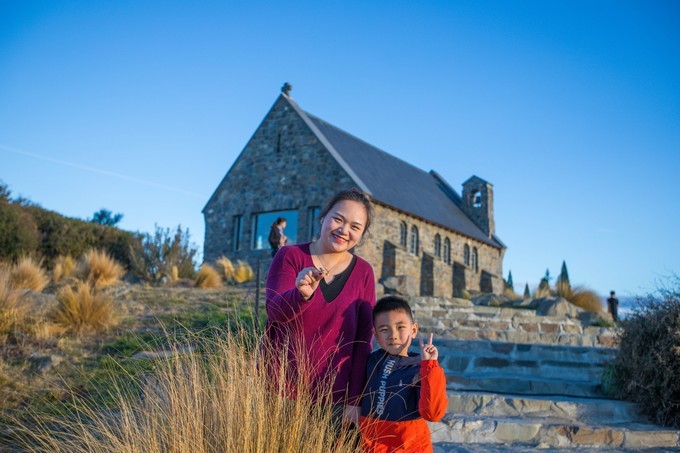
478,204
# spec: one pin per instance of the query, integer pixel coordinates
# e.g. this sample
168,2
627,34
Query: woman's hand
308,280
351,415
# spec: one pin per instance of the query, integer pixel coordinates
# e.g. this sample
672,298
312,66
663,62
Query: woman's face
343,226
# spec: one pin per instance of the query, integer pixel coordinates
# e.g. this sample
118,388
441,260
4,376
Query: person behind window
276,237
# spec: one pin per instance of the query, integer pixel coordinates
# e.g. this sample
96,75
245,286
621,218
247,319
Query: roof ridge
327,144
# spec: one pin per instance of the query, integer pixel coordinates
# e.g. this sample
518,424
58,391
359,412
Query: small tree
508,283
564,274
527,293
562,286
106,217
153,256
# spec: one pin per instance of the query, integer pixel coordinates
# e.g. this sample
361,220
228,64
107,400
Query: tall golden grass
581,297
27,274
208,278
98,269
12,307
243,272
225,268
216,400
63,267
84,310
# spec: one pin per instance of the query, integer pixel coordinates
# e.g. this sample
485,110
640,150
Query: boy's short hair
392,303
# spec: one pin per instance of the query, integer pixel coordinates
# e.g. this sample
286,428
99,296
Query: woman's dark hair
353,194
279,221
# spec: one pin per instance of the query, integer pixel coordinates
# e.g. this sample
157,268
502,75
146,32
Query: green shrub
18,232
647,367
153,256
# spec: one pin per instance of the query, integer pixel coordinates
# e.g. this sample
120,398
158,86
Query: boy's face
394,331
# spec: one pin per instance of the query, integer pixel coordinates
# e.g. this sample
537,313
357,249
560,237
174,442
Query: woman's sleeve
284,301
362,344
433,401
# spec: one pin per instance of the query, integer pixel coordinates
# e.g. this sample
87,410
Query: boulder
559,307
401,285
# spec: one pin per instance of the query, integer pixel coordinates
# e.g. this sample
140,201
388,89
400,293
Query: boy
403,389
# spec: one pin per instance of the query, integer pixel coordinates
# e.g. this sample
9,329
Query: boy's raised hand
428,351
308,280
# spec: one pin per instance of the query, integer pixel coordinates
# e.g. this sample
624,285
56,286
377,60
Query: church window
447,251
314,223
437,246
466,254
476,199
475,260
262,222
414,240
403,233
236,233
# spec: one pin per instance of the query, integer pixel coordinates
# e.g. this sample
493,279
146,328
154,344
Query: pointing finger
430,341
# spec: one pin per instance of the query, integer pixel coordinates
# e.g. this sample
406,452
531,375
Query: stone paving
518,381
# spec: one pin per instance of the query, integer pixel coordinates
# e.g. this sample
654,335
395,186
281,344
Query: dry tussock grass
208,278
84,310
27,274
581,297
63,268
98,269
225,268
509,292
243,272
12,307
218,400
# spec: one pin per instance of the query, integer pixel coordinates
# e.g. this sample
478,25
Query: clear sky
571,109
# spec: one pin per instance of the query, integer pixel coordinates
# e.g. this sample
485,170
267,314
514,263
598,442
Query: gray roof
394,182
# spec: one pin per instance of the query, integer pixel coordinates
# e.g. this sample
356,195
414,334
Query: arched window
403,233
438,246
466,254
414,240
475,261
447,251
476,199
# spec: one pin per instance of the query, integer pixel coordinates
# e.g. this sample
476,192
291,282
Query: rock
559,307
41,363
526,303
588,318
402,285
379,290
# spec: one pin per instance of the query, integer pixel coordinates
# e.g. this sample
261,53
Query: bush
63,267
98,269
581,297
647,367
84,310
226,268
243,272
153,256
12,308
18,232
27,274
208,278
218,400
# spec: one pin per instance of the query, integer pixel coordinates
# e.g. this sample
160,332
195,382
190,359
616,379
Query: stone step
523,384
544,354
525,337
549,433
575,371
585,410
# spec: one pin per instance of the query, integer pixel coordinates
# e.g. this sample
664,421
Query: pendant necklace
325,269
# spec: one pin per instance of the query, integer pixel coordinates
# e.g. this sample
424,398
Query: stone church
426,235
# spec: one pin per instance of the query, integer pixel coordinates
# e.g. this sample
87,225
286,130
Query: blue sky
570,109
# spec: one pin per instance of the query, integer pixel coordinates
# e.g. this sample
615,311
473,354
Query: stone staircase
518,381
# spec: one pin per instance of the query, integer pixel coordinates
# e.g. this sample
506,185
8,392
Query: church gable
283,167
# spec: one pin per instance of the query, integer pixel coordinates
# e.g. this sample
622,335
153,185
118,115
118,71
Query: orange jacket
384,435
